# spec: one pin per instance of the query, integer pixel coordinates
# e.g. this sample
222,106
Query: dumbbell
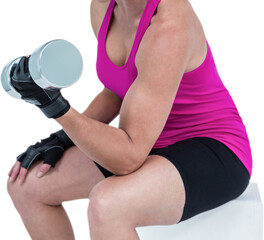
54,65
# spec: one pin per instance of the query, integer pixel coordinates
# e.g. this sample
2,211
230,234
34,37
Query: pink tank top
202,107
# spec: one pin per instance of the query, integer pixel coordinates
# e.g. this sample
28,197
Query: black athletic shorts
212,174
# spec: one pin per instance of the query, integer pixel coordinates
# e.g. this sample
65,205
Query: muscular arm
161,61
122,150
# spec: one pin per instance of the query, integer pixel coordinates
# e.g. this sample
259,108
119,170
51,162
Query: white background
234,30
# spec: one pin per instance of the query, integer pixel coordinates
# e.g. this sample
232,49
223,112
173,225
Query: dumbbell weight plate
5,78
56,64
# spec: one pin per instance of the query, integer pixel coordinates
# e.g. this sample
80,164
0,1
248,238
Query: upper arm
161,61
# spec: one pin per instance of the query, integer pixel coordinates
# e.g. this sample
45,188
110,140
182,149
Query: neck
131,10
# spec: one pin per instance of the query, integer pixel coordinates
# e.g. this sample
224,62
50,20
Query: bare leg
45,222
152,195
117,230
38,200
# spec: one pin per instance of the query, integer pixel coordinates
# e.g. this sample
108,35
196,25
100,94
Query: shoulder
174,10
171,29
173,18
175,28
97,12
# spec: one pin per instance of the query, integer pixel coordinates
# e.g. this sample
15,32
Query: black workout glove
50,102
50,149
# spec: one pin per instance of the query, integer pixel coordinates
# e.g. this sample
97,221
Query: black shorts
212,174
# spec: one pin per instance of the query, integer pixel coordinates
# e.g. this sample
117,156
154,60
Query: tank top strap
142,26
104,26
144,23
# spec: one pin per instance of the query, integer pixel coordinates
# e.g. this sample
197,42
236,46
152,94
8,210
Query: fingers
29,157
22,175
43,169
22,64
53,155
26,64
21,156
16,169
10,172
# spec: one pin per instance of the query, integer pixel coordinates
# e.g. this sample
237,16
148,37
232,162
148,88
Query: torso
120,35
203,106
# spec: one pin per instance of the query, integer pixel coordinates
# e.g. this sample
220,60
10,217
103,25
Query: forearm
109,146
104,108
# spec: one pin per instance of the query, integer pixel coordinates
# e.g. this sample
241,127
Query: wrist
56,108
69,119
64,139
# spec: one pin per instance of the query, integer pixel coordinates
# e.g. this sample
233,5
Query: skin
175,36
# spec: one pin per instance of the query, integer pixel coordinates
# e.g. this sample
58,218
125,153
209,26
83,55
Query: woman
181,147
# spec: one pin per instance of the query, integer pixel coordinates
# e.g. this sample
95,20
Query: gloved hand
50,102
50,149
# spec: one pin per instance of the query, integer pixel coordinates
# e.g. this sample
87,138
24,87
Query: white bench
239,219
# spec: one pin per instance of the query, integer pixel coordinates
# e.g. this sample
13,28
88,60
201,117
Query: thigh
202,172
152,195
211,172
72,178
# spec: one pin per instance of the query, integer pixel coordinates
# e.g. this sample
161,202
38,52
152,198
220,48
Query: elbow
126,171
131,167
130,163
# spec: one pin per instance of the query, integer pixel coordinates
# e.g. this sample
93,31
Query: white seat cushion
239,219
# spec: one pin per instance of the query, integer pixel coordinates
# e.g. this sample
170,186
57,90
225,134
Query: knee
17,191
19,195
31,189
103,205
